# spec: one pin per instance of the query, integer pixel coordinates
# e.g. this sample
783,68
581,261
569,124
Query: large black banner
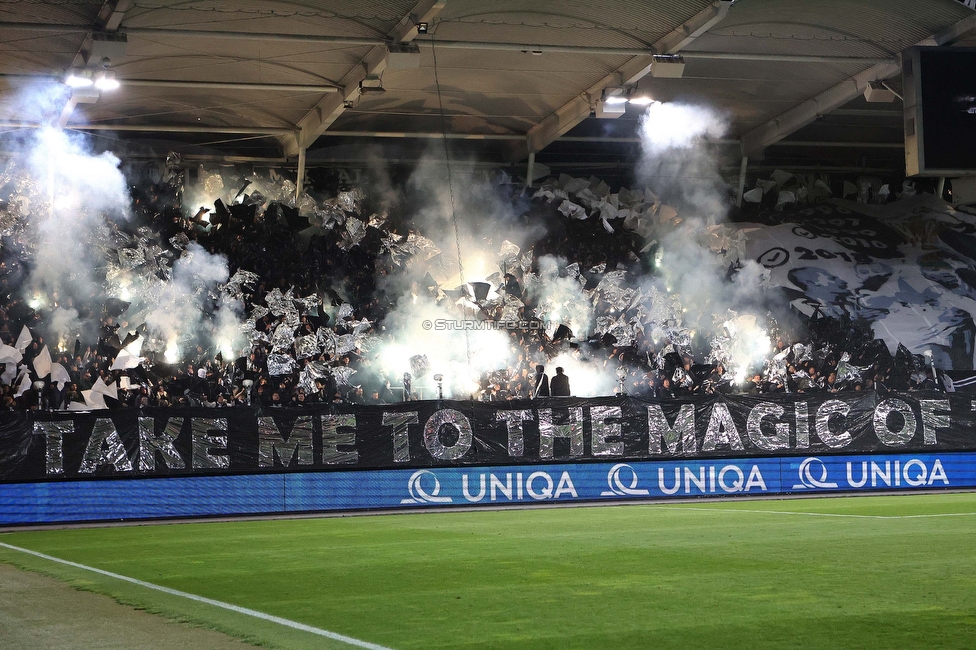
154,442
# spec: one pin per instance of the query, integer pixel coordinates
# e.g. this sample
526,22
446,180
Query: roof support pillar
300,180
742,180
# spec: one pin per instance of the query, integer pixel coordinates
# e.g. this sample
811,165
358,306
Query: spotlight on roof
610,111
612,103
614,95
641,100
78,79
105,80
422,28
614,99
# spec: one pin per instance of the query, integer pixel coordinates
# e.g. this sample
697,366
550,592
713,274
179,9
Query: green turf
710,574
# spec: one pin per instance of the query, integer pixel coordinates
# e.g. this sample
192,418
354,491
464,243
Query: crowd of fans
265,240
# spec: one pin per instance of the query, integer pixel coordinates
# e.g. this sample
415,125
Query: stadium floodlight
615,95
106,81
79,79
614,99
641,100
612,103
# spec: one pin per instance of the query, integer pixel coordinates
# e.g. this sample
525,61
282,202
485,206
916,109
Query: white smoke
178,313
79,190
560,299
64,326
460,212
589,376
748,347
422,327
679,163
665,127
228,338
465,211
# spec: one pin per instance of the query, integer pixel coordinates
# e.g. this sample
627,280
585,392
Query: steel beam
205,85
799,116
374,63
229,130
677,40
578,109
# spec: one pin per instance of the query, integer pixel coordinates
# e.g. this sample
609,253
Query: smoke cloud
179,314
679,163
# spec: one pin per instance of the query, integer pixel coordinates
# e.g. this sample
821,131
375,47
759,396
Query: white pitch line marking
819,514
335,636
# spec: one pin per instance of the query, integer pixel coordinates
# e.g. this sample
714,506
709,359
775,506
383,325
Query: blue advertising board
289,492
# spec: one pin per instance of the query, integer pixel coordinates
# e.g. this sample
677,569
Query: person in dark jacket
540,387
559,386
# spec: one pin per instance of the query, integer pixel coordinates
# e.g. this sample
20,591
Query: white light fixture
615,94
614,99
641,100
106,81
612,103
667,66
605,109
78,79
877,92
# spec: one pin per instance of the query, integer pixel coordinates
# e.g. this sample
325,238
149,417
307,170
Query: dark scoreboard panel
940,111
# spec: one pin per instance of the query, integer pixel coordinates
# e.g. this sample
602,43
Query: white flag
93,400
99,388
59,375
126,360
24,339
10,354
9,374
25,383
42,363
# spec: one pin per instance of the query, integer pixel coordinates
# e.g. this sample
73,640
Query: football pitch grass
839,572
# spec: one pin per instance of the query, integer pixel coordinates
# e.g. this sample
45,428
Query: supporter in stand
540,382
559,386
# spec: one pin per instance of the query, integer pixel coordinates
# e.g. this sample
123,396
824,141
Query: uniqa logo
416,488
807,479
515,486
616,483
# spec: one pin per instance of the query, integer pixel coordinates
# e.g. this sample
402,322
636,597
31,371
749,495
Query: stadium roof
265,79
